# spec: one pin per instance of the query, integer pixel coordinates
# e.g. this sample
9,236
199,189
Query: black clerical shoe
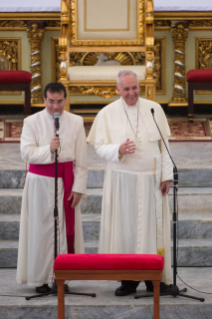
66,287
163,287
127,287
43,289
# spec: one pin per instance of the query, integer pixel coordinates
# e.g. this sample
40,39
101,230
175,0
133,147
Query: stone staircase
194,221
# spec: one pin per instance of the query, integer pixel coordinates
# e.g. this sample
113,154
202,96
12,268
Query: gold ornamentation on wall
64,12
13,24
35,35
203,56
105,92
200,23
159,65
10,57
55,60
150,92
179,35
125,58
162,23
73,29
53,23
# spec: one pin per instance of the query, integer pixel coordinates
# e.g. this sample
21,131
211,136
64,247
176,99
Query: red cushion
108,262
15,77
199,75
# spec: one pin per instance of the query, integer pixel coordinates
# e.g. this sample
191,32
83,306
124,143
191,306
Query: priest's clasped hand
165,187
75,199
128,147
55,144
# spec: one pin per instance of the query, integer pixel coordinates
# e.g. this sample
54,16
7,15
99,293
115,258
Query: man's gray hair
123,73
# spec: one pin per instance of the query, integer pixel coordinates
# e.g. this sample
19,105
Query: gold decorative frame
136,58
203,56
55,63
10,48
159,65
74,41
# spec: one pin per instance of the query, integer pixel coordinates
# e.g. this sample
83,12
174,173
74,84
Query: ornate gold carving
13,24
105,92
203,56
162,23
10,57
10,53
179,35
35,35
64,12
53,23
200,23
159,65
55,60
204,53
149,12
149,66
73,29
139,57
125,58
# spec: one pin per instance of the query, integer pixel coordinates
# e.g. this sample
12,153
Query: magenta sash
65,171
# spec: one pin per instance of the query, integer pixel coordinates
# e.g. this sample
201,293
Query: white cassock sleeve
31,152
109,152
80,163
166,163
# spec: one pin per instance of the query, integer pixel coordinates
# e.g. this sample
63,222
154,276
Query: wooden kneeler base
61,275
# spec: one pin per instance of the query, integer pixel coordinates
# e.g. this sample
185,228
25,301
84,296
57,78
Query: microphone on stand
174,290
56,123
153,115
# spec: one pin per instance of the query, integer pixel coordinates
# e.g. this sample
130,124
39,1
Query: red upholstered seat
15,77
199,75
108,262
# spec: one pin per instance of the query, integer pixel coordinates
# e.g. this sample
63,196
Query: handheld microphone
175,167
56,123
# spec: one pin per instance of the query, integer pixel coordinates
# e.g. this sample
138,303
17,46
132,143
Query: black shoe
127,287
43,289
54,288
66,288
163,287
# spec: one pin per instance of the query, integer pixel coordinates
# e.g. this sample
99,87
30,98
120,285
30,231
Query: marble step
187,227
106,305
191,253
192,177
8,253
190,201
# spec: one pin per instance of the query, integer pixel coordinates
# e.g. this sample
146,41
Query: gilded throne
106,36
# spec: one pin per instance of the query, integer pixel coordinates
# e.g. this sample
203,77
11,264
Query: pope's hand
55,144
74,198
165,187
127,147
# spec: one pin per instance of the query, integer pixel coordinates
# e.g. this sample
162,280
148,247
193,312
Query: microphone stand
54,285
174,290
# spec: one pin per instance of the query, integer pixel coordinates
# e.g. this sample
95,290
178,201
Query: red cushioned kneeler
197,80
17,81
108,267
108,262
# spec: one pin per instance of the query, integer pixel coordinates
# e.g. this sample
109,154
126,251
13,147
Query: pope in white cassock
135,213
38,146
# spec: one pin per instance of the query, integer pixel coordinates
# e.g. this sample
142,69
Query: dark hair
55,87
